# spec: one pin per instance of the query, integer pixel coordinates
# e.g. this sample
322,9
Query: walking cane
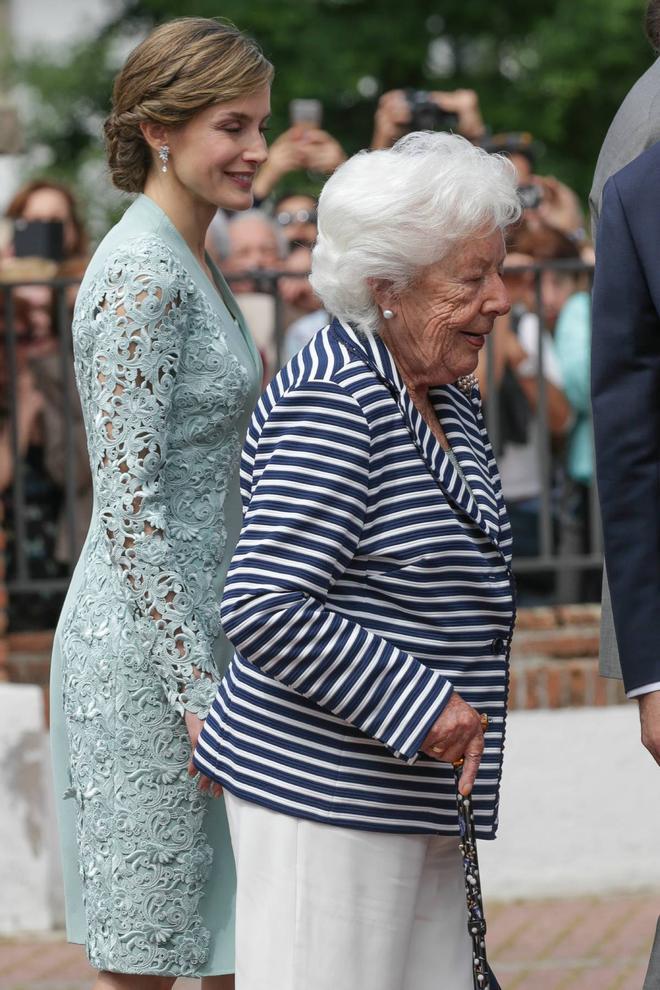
482,974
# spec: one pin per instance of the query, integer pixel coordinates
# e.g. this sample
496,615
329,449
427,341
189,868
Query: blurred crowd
265,254
41,429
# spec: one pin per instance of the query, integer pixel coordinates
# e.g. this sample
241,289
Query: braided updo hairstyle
180,68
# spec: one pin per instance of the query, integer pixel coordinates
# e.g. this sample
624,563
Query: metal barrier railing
550,558
21,580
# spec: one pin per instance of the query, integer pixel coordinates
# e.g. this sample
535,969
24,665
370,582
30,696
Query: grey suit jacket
635,128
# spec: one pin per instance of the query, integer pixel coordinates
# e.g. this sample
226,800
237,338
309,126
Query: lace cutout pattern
162,396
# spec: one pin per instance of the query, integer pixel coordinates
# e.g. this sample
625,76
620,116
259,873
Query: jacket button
498,646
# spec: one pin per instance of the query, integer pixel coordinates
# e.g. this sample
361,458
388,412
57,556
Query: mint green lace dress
168,378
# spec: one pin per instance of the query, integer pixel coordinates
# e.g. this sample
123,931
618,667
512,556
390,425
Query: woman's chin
467,367
230,196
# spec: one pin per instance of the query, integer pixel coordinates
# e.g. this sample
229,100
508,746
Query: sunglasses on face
300,216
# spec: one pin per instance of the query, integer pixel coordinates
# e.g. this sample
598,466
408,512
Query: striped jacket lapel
475,501
457,412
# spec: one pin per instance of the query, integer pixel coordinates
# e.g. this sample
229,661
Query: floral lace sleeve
140,321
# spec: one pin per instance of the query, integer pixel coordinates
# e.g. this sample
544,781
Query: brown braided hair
180,68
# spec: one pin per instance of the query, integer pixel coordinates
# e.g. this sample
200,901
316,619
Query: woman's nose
257,151
498,301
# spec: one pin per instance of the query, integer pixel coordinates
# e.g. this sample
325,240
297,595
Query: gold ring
483,718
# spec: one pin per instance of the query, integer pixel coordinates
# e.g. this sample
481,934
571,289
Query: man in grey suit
635,128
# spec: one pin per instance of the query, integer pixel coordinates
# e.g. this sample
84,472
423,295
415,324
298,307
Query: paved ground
583,944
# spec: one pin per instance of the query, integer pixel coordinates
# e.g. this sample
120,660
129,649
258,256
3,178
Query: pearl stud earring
164,154
387,314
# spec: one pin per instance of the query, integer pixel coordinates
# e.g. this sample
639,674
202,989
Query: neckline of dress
218,284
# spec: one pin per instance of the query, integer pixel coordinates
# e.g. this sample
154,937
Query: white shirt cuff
646,689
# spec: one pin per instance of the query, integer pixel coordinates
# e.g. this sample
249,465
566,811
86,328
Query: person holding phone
168,377
304,146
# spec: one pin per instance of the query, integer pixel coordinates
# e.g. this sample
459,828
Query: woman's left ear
154,134
382,293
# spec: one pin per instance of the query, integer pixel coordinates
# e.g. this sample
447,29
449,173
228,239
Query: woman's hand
322,153
560,206
391,120
194,725
286,154
457,734
465,104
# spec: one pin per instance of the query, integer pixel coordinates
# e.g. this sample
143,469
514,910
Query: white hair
386,214
255,214
217,237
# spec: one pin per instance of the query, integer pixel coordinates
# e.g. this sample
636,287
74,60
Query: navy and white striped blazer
367,584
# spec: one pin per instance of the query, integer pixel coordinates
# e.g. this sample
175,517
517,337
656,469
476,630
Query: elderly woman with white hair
370,599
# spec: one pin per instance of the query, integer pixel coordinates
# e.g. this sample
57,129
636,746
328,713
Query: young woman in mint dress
168,377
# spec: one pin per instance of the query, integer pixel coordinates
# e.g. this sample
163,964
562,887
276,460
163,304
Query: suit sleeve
302,527
626,407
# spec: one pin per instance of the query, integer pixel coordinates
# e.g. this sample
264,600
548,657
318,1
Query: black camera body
426,115
39,239
530,196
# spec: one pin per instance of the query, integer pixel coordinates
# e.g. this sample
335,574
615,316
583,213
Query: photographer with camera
542,196
45,205
49,239
403,110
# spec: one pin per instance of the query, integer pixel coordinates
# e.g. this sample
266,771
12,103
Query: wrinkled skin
441,321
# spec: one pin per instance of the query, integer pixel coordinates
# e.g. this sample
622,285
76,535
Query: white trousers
325,908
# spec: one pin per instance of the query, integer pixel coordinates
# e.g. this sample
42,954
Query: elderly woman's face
444,317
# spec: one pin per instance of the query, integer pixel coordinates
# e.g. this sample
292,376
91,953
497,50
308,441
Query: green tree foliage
557,68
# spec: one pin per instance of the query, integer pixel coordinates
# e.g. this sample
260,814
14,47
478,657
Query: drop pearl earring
164,154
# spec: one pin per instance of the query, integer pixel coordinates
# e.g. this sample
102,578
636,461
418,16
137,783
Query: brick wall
554,660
